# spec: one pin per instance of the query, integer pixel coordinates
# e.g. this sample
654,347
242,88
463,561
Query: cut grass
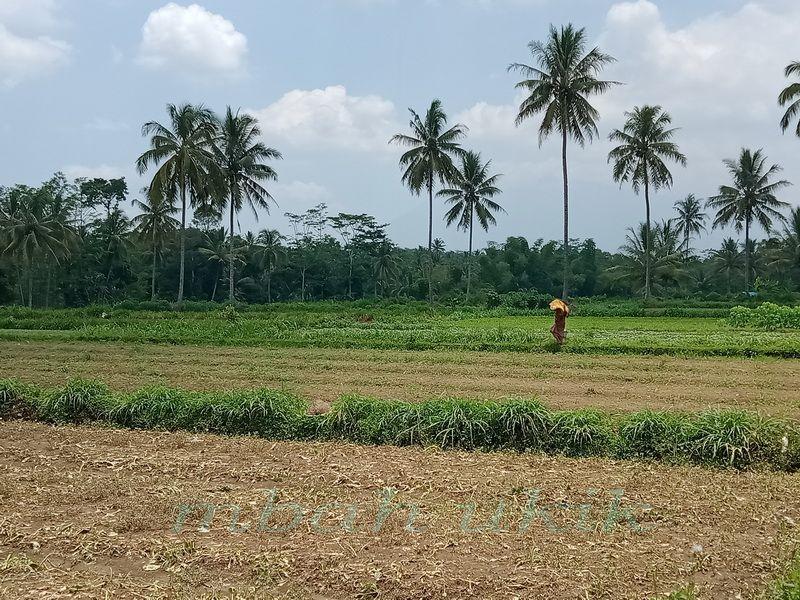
735,439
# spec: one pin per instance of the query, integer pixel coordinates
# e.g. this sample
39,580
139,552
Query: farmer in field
559,329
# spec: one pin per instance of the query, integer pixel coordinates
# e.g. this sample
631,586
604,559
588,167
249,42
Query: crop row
726,438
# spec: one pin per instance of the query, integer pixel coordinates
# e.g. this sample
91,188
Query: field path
90,513
618,383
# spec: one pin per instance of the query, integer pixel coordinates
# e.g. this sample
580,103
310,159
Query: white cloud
28,16
102,171
25,53
193,41
329,118
302,191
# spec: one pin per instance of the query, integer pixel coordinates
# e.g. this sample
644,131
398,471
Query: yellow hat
559,305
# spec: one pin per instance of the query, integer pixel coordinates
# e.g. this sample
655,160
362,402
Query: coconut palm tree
32,230
665,267
560,85
429,159
186,167
750,198
215,248
271,251
155,224
691,220
114,236
383,264
788,256
727,260
241,159
645,143
471,195
791,96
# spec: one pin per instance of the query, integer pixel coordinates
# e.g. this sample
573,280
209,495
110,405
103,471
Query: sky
331,80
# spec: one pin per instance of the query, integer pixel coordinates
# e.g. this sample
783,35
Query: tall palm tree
727,260
155,223
241,158
271,251
560,84
429,158
750,198
114,235
645,143
187,167
791,96
471,195
691,220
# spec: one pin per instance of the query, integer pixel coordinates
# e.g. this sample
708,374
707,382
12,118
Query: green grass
399,328
728,439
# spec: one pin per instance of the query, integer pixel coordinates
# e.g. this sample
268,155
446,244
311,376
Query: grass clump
82,400
16,400
582,432
652,435
732,438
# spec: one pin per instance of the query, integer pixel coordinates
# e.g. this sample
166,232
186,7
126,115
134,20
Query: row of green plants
767,316
726,438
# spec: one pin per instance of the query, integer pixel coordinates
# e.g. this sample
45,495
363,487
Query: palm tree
383,264
691,220
240,156
216,250
31,229
429,158
727,260
791,96
187,166
750,197
645,142
471,194
114,236
271,252
560,86
665,260
788,255
155,223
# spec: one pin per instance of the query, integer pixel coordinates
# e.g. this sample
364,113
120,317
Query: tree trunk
565,290
30,285
182,272
269,286
153,274
469,256
647,237
430,238
747,254
350,277
686,255
303,284
230,248
47,286
216,281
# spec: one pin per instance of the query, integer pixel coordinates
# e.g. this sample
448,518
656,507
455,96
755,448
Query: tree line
72,243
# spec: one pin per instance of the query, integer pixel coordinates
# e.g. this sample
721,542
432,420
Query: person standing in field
559,328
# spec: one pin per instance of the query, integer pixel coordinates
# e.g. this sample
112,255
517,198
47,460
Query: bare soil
91,513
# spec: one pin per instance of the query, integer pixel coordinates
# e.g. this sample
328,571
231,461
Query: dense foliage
82,249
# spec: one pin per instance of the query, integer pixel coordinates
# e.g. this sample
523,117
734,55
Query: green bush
584,432
726,438
652,435
80,401
768,316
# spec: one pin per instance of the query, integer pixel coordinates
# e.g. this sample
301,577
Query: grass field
90,510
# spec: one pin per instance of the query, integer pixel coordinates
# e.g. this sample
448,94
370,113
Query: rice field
652,457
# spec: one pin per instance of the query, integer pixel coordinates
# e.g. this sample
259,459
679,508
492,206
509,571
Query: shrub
732,438
768,316
582,433
80,401
523,424
652,435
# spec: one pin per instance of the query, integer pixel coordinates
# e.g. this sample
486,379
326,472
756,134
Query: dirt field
566,381
90,513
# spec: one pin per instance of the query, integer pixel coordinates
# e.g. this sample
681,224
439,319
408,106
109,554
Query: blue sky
331,81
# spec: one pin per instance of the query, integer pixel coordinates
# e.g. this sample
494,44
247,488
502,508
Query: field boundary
720,438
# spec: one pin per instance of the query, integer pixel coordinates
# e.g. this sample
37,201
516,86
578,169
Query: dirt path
90,513
567,381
